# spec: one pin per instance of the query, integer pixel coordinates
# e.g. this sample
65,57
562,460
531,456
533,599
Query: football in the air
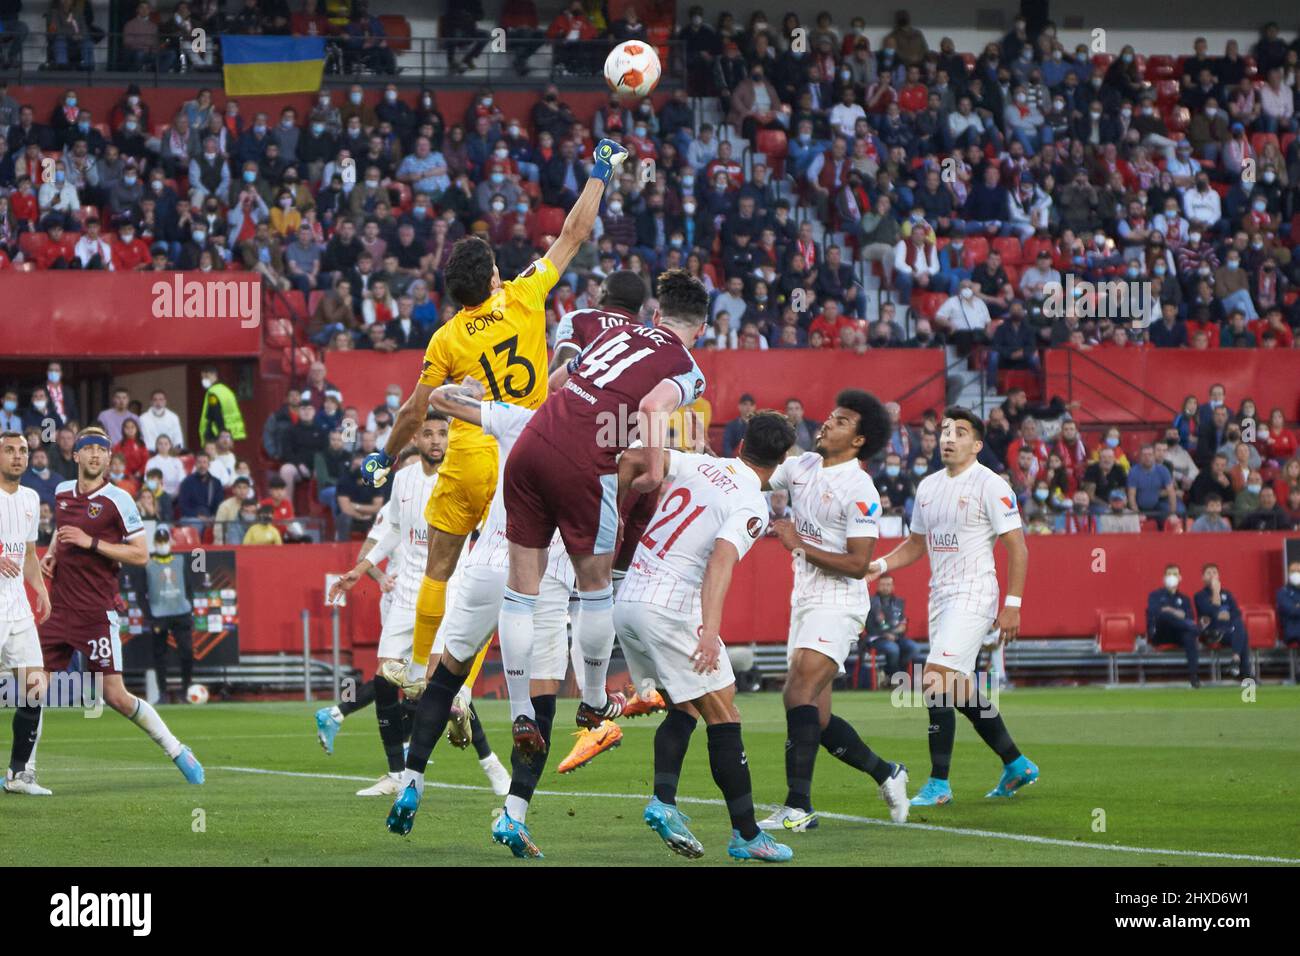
196,694
632,68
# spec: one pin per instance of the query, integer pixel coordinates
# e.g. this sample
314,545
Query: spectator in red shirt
1069,445
60,251
279,502
24,202
130,253
914,95
131,448
726,164
572,31
830,322
1279,443
519,19
1029,438
1272,322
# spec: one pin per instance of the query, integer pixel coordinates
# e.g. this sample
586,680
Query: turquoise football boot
402,817
189,765
1019,773
762,847
327,728
513,833
935,793
670,823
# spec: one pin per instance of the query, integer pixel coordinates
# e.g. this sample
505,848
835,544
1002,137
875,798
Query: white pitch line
713,802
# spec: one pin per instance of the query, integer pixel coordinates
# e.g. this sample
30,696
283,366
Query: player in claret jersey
622,294
98,529
20,650
562,474
834,531
498,337
669,614
959,514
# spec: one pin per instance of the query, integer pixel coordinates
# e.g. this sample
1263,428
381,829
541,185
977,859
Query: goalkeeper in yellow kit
499,338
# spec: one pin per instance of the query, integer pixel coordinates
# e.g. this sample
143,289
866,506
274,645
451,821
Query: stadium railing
418,59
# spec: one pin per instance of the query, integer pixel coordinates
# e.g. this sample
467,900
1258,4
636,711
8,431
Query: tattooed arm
463,401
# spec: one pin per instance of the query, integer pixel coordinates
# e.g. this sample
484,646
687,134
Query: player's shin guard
477,736
388,713
730,769
844,744
595,636
802,736
526,771
431,716
147,719
943,728
27,722
430,605
671,740
987,720
364,698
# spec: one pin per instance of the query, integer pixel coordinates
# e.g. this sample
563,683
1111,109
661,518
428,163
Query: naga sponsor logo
943,541
809,531
76,909
183,298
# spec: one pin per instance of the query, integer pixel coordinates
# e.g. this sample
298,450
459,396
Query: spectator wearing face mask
40,477
886,632
1288,606
1171,621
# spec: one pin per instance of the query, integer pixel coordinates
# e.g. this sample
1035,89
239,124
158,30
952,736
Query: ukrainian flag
272,64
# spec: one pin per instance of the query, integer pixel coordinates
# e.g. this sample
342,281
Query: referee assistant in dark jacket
1171,619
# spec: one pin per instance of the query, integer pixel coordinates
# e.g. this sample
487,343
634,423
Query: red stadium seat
550,220
1286,141
313,300
297,361
1009,378
30,244
1258,140
1252,70
1103,60
970,60
185,537
977,249
1261,626
1009,248
1116,634
774,144
1166,93
927,303
1161,67
398,31
405,199
279,333
1030,248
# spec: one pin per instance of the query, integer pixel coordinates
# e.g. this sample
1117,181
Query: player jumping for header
563,474
959,513
98,530
498,337
834,532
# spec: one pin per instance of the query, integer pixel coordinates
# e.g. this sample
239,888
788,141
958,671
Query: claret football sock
27,721
430,606
388,714
526,771
595,636
844,744
147,719
431,716
730,769
515,632
671,740
943,728
802,736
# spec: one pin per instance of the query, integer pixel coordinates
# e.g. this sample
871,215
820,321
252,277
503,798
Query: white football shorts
658,644
826,629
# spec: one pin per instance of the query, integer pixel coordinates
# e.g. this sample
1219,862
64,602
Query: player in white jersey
669,614
404,541
472,619
835,526
958,515
20,648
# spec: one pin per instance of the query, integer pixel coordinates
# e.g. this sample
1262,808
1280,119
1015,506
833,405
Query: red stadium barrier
1070,577
1142,385
134,315
772,377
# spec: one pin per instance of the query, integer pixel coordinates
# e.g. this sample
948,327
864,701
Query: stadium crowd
972,186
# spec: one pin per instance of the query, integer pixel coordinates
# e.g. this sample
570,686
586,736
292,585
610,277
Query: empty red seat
1261,625
1166,92
1009,248
1259,140
279,333
774,144
977,249
398,30
1161,67
185,537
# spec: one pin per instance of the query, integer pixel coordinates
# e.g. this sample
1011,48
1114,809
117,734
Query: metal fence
506,59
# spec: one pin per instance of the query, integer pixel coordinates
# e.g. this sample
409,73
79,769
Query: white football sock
410,776
515,631
594,636
337,714
516,807
31,761
147,719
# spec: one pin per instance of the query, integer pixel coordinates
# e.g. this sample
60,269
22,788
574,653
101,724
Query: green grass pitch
1200,773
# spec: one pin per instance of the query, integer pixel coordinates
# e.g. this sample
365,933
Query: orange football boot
639,706
591,743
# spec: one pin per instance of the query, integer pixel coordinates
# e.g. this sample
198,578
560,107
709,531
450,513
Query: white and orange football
632,68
